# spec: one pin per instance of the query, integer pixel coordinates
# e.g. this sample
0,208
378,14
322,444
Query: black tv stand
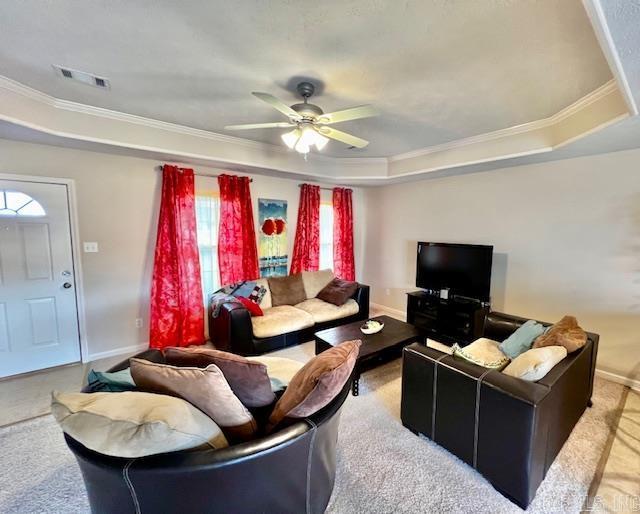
456,320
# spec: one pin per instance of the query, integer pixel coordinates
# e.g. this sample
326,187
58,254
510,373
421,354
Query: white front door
38,314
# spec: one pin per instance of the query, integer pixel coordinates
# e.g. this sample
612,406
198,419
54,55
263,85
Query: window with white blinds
326,236
207,218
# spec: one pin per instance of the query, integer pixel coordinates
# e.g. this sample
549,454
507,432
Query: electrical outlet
387,292
138,322
90,247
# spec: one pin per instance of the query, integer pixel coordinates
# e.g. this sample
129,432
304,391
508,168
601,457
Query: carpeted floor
382,467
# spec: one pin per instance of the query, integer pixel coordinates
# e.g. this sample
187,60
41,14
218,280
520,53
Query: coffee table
376,348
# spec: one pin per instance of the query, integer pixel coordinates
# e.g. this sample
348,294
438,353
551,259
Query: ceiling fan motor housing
307,110
306,89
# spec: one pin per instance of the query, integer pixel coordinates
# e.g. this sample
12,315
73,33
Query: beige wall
118,207
566,238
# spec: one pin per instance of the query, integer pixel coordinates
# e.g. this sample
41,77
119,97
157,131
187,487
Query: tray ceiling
438,71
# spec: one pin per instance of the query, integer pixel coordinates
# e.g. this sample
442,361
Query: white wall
566,238
118,200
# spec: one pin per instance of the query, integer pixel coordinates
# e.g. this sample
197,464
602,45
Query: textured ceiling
437,71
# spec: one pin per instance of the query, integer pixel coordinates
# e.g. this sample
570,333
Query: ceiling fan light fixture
291,138
321,141
301,147
308,136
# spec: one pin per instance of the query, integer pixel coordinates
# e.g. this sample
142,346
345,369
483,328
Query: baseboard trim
620,379
394,313
117,351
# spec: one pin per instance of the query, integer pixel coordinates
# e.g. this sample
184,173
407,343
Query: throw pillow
229,288
287,290
316,384
483,352
522,339
265,302
437,345
248,379
113,382
315,281
244,289
337,291
565,332
257,294
134,424
534,364
204,388
253,308
280,369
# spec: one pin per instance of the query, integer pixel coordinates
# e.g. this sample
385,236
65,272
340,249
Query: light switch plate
90,247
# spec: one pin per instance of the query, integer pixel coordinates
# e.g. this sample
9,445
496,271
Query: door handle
66,285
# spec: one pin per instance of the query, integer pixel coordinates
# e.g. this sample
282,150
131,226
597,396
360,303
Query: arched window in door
15,203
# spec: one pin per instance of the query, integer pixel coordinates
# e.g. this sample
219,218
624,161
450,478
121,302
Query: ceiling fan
311,124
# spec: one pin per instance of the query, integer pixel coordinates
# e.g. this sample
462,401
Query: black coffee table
376,348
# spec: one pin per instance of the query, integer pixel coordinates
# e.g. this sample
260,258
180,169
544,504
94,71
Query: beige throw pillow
134,424
280,369
534,364
483,352
437,345
204,388
315,281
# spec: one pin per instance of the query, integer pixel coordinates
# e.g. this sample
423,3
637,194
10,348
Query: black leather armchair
232,331
509,429
292,470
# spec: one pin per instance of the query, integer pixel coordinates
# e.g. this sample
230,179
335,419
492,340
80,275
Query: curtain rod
203,174
324,188
212,176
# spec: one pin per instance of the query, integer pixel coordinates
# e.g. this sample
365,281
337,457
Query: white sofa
285,325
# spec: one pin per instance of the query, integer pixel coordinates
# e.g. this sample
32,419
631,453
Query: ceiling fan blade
354,113
277,104
278,124
343,137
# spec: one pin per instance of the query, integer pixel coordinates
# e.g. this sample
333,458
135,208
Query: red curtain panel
237,251
343,262
306,247
177,315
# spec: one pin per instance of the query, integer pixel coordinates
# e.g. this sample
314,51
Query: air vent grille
82,76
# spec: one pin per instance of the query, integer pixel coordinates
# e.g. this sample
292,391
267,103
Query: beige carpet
385,468
382,467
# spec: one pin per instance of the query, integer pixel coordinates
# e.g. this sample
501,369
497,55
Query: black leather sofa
508,429
292,470
232,331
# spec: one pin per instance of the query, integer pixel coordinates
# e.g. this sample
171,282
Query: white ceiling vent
82,76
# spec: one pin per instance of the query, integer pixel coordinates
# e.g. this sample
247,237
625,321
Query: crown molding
582,103
538,136
68,105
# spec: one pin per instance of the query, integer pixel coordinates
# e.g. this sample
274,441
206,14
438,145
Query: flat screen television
463,269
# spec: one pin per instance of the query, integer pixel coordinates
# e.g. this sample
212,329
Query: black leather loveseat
508,429
292,470
232,329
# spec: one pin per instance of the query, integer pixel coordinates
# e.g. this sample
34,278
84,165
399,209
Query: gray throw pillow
113,382
522,339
